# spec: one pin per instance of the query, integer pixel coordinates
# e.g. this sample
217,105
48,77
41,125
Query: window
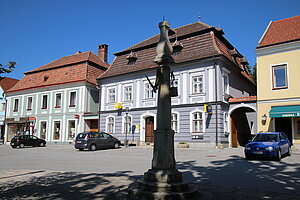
58,100
127,124
226,85
71,130
72,99
43,130
110,124
197,84
111,95
56,134
16,105
45,101
29,103
197,122
3,107
127,93
279,77
174,122
149,93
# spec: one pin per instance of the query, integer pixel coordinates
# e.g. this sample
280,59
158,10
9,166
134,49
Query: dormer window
132,57
177,47
46,78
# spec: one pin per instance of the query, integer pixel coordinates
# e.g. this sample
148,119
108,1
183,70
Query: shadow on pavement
238,172
233,178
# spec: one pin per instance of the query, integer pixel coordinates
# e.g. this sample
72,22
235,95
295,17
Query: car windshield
266,138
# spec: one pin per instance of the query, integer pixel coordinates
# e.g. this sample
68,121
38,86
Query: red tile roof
82,67
242,99
284,30
7,83
199,41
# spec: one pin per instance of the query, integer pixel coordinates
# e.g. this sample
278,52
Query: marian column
163,180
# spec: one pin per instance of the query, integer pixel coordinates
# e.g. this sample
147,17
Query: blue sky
36,32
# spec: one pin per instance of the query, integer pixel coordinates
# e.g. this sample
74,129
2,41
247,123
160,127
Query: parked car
95,140
269,145
27,140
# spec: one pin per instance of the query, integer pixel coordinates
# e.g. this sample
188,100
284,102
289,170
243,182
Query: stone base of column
162,185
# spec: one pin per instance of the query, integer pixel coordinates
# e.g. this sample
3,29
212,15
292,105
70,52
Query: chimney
78,52
103,52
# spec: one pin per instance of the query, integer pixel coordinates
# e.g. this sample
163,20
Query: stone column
163,180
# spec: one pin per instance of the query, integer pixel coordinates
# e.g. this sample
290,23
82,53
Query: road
62,169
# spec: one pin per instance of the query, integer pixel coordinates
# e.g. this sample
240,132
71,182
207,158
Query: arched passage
242,123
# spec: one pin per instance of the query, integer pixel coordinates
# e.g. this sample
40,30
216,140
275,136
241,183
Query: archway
242,124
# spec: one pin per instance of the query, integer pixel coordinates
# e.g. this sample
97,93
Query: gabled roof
281,31
198,39
7,83
72,59
81,67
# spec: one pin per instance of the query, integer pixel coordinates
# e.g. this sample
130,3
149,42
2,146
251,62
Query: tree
254,73
5,69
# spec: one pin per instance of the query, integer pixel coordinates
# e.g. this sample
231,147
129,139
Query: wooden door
149,131
234,139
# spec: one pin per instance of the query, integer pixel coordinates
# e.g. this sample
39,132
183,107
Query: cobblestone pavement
214,175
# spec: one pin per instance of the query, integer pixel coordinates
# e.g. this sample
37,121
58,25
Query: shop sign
76,116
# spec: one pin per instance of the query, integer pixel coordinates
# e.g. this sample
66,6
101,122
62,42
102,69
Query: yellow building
278,78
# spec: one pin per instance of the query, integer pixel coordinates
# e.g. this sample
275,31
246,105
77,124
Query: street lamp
126,126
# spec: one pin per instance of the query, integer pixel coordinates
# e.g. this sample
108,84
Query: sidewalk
41,184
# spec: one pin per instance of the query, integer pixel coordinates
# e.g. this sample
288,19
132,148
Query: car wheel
13,147
93,147
278,156
248,157
21,145
289,153
42,144
116,145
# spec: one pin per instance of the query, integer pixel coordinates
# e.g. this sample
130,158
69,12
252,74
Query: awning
90,117
285,111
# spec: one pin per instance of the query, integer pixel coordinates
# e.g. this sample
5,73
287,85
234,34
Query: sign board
76,116
207,108
118,105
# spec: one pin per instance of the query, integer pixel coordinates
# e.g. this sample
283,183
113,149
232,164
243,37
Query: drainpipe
216,102
98,86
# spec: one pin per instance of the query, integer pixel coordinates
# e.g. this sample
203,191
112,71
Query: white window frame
149,93
46,134
42,107
16,105
70,100
123,124
58,106
27,106
178,121
109,100
192,120
75,128
126,93
272,67
226,87
114,124
60,130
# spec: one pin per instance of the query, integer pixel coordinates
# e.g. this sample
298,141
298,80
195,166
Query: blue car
268,145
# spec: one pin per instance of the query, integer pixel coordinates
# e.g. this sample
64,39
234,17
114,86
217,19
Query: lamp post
126,127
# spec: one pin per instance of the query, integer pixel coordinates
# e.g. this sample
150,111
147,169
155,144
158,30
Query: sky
36,32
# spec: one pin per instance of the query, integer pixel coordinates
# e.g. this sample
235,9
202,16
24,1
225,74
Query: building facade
58,100
5,84
208,72
278,93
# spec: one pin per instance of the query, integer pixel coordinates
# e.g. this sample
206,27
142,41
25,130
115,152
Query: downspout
216,102
98,86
